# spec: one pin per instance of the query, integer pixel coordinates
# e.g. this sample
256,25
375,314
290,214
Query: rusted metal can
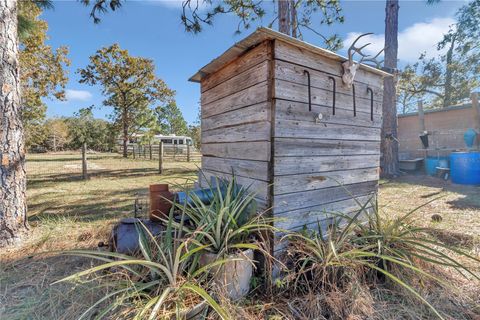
160,202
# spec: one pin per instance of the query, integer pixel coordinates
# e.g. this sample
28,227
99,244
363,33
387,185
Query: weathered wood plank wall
312,157
236,122
303,158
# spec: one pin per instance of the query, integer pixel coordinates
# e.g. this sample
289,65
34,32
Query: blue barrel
204,195
465,167
431,164
469,137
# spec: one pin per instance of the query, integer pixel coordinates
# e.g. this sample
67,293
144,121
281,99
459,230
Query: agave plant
229,219
155,284
372,241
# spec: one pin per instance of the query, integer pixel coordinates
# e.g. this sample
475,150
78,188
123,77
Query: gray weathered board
256,124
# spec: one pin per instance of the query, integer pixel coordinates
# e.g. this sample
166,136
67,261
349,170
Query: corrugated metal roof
260,35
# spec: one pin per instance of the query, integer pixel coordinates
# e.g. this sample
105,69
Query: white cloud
77,95
412,41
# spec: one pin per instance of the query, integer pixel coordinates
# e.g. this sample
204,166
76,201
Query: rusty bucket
159,202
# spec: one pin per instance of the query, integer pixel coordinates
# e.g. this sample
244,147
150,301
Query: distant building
171,142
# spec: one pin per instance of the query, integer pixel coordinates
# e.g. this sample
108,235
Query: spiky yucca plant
155,284
378,245
228,221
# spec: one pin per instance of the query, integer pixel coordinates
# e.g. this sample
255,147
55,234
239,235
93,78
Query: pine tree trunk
13,207
284,16
293,19
389,144
447,101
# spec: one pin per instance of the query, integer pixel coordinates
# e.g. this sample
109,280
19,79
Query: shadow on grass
471,194
67,196
452,238
96,206
71,158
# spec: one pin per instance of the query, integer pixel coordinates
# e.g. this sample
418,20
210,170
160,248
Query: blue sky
152,29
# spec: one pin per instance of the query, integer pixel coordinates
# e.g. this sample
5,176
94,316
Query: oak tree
43,69
130,87
83,127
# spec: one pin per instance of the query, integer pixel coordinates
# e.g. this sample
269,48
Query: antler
378,64
350,67
365,57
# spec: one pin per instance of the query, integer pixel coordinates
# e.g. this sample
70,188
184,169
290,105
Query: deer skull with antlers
350,67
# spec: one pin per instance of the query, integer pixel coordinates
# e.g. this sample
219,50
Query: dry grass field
66,212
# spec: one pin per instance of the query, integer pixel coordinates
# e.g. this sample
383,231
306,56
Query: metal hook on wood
334,93
354,102
371,102
309,90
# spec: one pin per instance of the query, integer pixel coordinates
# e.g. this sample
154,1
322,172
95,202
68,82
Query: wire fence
73,165
168,152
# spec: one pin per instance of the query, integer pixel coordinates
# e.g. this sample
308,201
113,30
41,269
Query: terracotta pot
232,276
159,204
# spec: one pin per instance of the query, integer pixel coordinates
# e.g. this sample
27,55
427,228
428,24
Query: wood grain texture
292,147
312,130
259,150
257,131
254,113
246,97
298,111
300,165
248,60
290,53
240,82
314,181
304,199
296,219
259,188
298,92
294,73
245,168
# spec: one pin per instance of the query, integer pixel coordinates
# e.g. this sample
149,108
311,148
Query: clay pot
159,202
234,276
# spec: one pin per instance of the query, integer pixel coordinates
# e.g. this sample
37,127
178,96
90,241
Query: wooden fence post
150,150
160,157
188,152
84,161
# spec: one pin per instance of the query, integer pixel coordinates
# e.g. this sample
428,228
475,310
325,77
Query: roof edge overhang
259,36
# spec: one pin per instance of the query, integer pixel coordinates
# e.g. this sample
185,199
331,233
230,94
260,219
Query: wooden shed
258,123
